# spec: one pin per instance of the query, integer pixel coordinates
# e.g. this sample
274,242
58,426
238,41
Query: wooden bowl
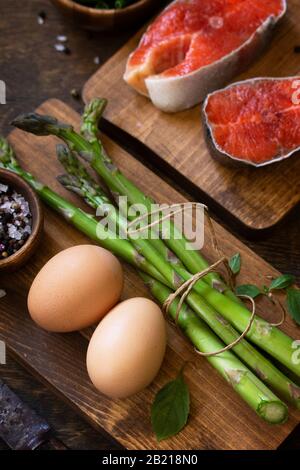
13,262
103,20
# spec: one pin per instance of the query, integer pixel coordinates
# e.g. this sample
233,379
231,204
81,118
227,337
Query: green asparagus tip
74,167
65,156
69,160
94,109
70,182
38,124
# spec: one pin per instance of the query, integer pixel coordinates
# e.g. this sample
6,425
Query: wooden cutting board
256,199
219,418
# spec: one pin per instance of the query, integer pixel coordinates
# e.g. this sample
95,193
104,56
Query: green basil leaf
235,263
248,289
171,407
282,282
293,303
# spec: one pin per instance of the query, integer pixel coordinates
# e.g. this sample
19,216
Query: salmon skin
196,46
254,122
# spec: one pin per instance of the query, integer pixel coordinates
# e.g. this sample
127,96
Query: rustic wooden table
34,71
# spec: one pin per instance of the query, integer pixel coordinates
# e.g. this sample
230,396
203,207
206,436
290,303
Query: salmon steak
254,122
196,46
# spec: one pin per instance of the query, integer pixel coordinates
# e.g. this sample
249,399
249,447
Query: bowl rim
37,220
85,9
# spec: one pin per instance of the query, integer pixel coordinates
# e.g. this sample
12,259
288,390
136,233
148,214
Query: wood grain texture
259,199
66,424
48,73
219,418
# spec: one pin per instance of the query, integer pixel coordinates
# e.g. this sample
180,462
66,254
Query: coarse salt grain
62,38
3,188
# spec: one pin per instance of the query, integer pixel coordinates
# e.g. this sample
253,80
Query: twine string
176,209
237,340
283,317
185,289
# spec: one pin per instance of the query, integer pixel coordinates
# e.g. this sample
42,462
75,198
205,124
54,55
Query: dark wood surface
255,199
33,72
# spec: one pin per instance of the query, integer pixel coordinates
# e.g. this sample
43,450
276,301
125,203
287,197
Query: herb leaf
282,282
170,410
293,303
248,289
235,263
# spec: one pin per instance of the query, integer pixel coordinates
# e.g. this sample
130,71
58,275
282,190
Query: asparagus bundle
266,336
246,384
79,181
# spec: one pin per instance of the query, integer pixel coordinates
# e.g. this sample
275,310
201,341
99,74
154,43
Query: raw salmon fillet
256,121
196,46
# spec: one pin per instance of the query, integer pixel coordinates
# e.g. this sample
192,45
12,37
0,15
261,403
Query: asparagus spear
175,274
80,181
246,384
269,338
116,181
120,185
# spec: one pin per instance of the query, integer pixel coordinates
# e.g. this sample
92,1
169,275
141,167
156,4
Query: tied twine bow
186,287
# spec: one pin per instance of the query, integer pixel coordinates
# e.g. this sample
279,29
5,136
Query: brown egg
127,348
75,289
